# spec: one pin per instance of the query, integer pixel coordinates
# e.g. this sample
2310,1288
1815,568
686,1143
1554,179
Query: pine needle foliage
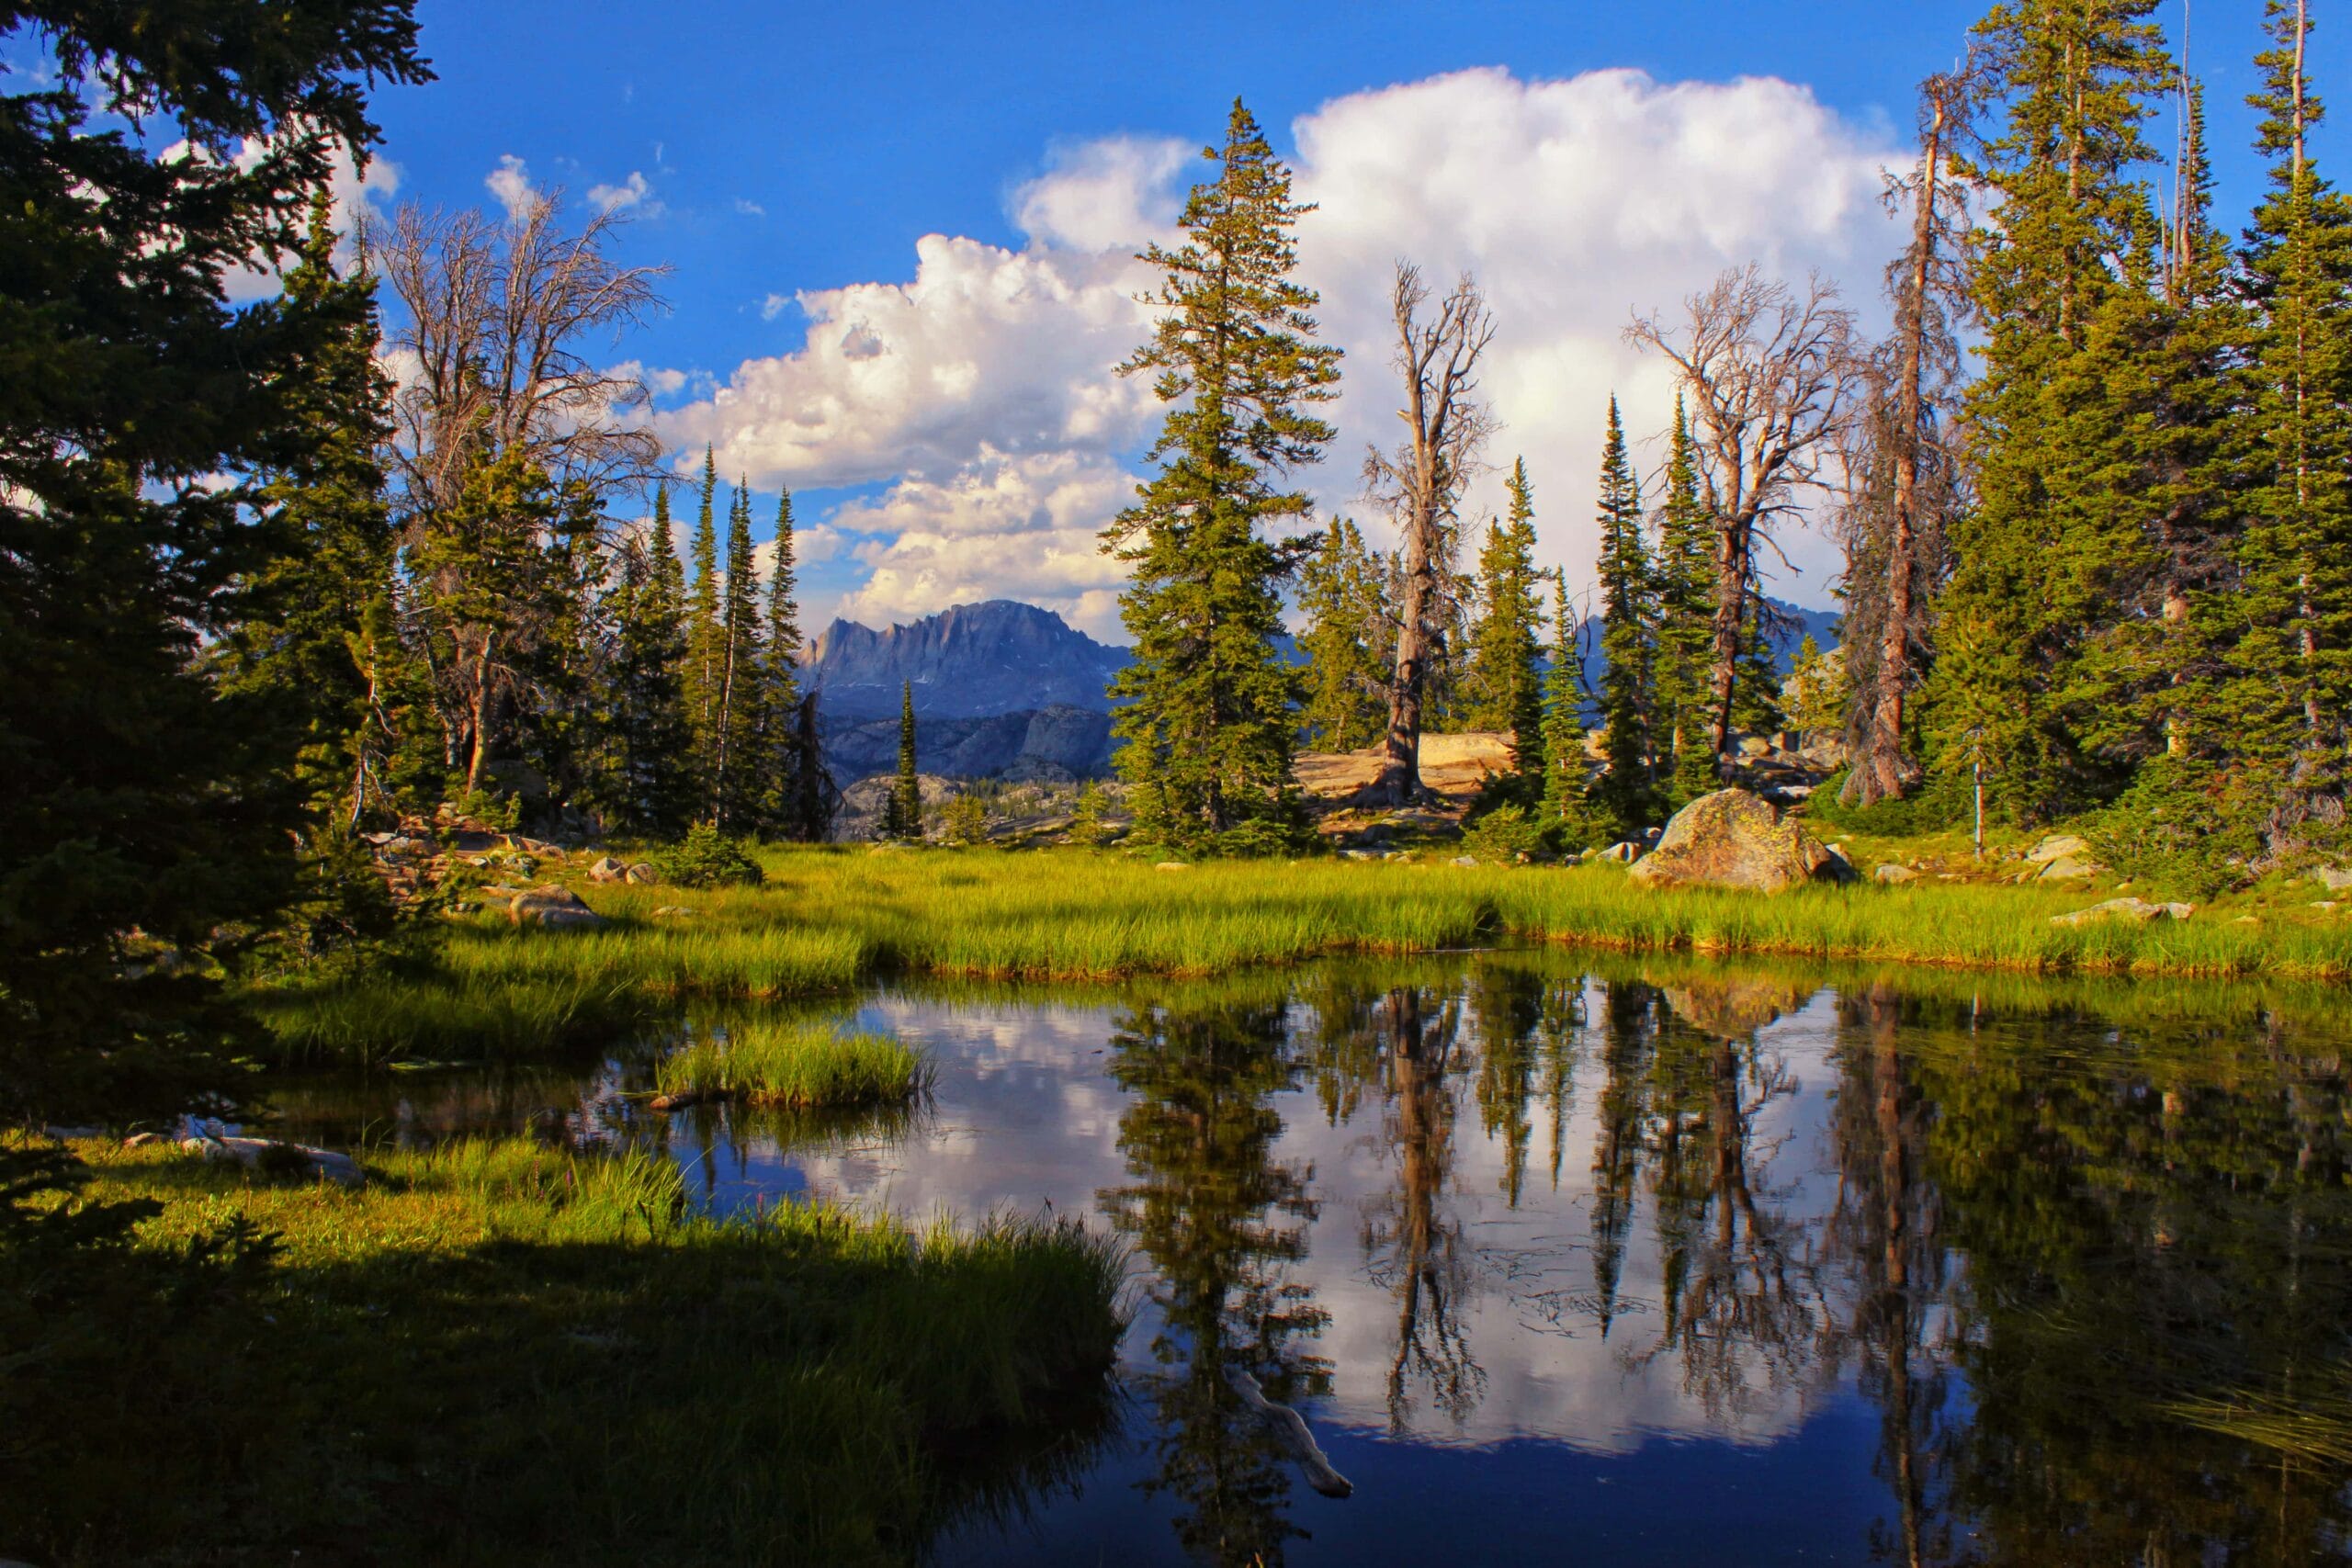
1206,707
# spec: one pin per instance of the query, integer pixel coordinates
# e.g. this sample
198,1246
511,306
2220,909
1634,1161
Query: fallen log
271,1154
1291,1433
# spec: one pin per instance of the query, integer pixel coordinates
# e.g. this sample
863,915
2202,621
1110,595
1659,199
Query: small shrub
1086,824
1944,802
964,821
707,859
2184,824
1504,834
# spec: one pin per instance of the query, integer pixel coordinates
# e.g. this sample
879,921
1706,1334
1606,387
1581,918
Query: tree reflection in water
2091,1264
1222,1222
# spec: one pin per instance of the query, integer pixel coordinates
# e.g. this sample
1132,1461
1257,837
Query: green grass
497,1352
827,920
797,1065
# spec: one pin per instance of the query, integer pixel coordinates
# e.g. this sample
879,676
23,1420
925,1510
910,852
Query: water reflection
1646,1262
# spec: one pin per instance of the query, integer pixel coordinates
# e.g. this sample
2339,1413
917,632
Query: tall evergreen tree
306,636
1340,593
146,802
1506,679
2291,697
2044,553
1206,703
738,784
782,766
1568,809
1627,636
706,637
1684,571
905,814
654,740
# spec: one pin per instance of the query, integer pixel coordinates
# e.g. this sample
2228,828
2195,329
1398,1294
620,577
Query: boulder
1465,859
2066,868
2125,909
642,874
2057,846
1753,747
1172,865
607,870
1896,876
1733,839
553,908
1625,853
2335,879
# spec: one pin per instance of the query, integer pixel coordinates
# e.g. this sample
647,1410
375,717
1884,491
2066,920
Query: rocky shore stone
1733,839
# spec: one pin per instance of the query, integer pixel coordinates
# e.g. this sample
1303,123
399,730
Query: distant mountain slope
1819,624
1007,689
971,662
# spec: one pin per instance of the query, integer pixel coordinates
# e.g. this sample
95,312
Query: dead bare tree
490,344
491,341
1420,482
1770,376
1905,478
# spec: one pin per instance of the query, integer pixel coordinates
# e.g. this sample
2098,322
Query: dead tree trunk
1420,482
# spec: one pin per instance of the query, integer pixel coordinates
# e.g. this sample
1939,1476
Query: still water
1626,1263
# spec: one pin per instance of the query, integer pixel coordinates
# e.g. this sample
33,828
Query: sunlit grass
829,920
797,1065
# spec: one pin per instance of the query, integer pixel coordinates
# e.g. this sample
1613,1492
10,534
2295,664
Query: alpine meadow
1571,787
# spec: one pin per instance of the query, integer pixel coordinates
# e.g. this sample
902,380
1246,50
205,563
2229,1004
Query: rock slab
1733,839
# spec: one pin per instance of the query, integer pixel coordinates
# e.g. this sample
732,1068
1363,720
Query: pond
1565,1259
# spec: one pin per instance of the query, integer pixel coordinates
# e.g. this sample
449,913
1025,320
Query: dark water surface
1632,1263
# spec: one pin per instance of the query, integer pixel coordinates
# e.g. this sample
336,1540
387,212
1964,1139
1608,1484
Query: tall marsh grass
504,1352
829,920
797,1065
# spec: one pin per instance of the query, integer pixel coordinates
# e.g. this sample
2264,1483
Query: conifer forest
1603,789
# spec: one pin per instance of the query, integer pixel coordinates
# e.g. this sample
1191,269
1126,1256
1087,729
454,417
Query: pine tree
738,788
1206,703
147,804
1506,689
1567,810
905,813
1684,571
786,811
2290,700
306,637
706,640
2044,553
656,796
1627,637
1339,595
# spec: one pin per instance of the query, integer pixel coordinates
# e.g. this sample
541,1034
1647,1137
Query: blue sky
790,157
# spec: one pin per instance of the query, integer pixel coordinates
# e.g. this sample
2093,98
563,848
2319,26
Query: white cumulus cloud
1002,526
984,389
511,184
986,347
1576,203
632,192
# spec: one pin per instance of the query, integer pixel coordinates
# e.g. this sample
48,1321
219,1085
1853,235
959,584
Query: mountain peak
997,656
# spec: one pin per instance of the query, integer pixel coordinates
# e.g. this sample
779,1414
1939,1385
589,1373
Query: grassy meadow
497,1352
830,919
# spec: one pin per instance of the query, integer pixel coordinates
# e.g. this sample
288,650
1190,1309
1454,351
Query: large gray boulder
1733,839
556,909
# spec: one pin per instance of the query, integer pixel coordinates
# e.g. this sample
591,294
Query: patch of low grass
797,1065
500,1352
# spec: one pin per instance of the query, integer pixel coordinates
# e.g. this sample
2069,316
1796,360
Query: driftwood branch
1289,1430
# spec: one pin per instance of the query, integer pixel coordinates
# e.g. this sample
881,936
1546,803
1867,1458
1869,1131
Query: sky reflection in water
1660,1263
